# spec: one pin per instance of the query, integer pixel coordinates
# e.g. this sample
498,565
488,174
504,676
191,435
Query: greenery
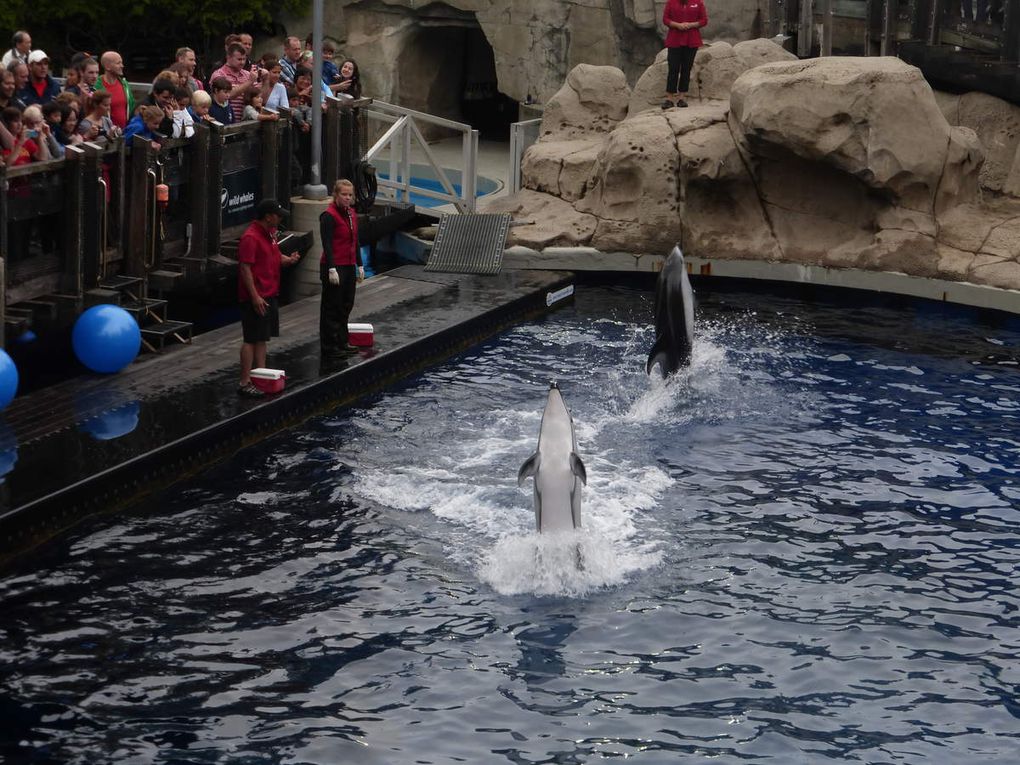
135,26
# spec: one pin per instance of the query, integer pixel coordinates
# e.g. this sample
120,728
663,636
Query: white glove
361,273
334,277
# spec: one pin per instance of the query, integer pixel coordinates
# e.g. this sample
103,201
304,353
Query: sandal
249,391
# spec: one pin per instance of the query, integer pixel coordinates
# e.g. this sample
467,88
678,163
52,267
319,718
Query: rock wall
534,43
839,162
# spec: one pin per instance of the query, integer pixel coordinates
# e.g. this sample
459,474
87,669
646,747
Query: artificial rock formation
407,49
841,162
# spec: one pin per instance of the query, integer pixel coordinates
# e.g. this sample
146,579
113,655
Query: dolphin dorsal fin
529,468
577,468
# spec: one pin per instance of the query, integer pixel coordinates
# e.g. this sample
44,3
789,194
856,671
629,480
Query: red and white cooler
361,335
268,380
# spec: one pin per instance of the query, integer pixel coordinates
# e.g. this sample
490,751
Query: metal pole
826,47
315,189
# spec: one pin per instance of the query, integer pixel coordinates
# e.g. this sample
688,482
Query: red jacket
692,10
339,237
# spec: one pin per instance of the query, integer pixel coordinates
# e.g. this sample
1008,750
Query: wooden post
890,10
200,190
284,180
1011,31
139,228
826,46
806,28
872,26
96,218
214,183
332,131
72,269
3,255
935,23
271,159
920,15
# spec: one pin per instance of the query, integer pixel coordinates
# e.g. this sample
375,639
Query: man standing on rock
684,20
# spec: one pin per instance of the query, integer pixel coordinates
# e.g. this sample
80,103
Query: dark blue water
803,551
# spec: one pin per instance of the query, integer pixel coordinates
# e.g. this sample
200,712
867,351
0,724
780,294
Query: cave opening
447,68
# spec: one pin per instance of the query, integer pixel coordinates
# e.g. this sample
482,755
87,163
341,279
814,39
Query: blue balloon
106,338
8,379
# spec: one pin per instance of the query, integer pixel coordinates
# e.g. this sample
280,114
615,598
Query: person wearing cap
41,88
258,285
340,269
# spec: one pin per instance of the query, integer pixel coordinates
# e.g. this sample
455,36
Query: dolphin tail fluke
529,468
577,468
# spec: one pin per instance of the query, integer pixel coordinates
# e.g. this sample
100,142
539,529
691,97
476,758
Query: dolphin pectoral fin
577,468
529,468
659,354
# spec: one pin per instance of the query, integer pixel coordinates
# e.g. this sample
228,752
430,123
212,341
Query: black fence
68,226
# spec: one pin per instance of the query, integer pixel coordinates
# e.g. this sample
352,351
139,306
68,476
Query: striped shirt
235,77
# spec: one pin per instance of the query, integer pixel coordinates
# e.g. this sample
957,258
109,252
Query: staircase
157,330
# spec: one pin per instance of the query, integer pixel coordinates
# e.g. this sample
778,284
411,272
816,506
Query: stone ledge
588,259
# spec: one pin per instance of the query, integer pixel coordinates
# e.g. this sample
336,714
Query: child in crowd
184,123
23,146
200,103
220,109
38,129
145,124
253,109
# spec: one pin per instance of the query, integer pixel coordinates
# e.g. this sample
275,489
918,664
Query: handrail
522,135
398,137
36,168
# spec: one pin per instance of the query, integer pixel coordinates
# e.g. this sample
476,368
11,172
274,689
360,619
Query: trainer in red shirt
684,20
258,284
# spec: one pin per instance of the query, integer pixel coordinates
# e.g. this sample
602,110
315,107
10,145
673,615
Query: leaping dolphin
557,469
674,317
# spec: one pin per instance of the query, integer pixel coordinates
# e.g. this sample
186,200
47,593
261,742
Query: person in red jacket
684,20
340,269
258,285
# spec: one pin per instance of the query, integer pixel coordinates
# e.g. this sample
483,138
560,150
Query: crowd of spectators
40,115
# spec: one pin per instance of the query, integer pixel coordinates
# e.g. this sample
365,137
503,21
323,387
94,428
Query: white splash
569,564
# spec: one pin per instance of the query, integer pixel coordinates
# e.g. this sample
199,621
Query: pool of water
803,550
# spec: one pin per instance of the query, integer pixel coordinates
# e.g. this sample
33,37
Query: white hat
37,55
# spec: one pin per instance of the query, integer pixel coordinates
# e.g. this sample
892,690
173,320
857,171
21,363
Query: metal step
101,295
16,322
119,282
156,336
147,308
163,279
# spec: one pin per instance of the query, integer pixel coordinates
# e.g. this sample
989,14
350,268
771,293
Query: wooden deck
91,443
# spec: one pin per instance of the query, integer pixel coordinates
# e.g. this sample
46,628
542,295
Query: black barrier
159,215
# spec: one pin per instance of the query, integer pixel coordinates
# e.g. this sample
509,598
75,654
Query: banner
240,194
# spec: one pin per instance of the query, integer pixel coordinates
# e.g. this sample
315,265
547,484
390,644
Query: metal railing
522,135
398,140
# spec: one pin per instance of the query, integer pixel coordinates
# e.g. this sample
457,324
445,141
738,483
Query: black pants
680,61
335,308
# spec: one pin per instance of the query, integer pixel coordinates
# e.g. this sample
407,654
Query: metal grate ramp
470,244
